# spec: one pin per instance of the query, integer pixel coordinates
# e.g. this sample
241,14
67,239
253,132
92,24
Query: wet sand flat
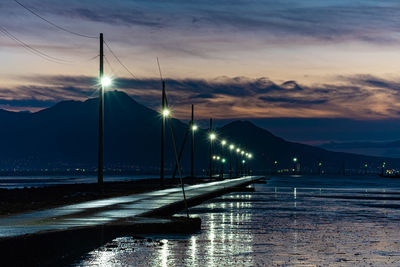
317,224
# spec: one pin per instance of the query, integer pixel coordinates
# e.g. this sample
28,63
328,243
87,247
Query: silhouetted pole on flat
230,163
101,117
162,133
192,150
237,164
211,141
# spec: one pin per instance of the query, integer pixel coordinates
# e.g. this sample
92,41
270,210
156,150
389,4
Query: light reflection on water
278,225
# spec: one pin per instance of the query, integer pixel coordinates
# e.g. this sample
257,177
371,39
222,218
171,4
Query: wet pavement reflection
291,221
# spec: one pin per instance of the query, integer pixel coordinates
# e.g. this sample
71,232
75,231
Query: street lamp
231,147
237,161
106,81
223,160
166,113
194,128
294,165
212,137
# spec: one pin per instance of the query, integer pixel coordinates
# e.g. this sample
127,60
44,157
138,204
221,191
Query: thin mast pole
101,117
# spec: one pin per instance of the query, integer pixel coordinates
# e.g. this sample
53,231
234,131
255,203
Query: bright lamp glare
223,142
194,127
213,136
165,112
105,81
231,147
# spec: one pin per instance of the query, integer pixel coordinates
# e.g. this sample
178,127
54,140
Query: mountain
380,149
66,136
269,148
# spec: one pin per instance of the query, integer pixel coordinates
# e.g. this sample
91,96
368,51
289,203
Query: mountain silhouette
65,136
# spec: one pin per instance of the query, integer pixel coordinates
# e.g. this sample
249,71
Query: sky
234,59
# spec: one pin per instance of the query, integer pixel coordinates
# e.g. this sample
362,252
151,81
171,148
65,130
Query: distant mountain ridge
65,136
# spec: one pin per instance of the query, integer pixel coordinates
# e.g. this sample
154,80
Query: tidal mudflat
290,221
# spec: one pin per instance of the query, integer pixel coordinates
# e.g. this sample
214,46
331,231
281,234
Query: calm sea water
290,221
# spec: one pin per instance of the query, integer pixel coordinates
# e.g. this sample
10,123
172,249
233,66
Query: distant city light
223,160
294,159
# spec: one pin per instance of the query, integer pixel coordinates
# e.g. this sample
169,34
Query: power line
53,24
119,61
109,65
32,49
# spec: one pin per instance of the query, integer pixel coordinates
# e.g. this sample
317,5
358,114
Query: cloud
362,96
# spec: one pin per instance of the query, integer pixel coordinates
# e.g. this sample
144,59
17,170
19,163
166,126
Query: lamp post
212,137
319,167
276,166
237,161
222,168
194,129
104,82
383,168
294,165
231,147
165,113
241,166
249,156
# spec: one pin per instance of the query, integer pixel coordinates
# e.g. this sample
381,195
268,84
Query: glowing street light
194,128
106,81
231,147
294,165
166,112
223,142
213,136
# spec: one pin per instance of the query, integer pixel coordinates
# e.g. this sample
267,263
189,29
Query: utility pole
192,151
101,117
162,133
211,141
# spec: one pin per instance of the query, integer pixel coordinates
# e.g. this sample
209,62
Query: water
291,221
11,182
